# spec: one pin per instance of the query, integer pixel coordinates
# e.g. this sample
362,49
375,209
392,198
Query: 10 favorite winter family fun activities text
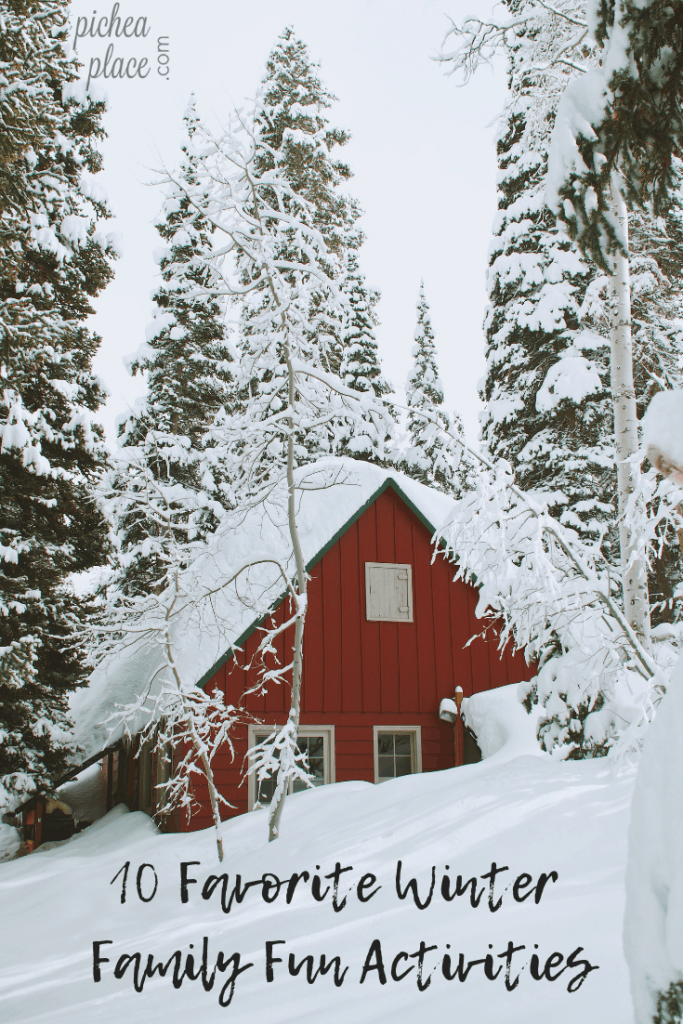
338,889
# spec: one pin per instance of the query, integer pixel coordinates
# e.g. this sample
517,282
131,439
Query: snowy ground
522,812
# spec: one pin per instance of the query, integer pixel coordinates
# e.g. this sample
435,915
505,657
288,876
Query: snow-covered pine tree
432,457
359,365
54,256
285,272
548,408
614,146
299,143
166,488
548,389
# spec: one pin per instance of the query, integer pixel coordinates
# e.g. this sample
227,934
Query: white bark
634,569
302,585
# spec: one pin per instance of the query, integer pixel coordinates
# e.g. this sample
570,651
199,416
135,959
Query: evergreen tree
548,388
432,458
655,262
359,366
548,408
547,384
626,118
286,273
618,131
298,143
54,256
189,378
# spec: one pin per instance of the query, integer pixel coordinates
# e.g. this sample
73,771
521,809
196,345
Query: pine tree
285,273
188,367
616,135
54,256
626,119
298,143
655,262
548,388
432,457
359,365
547,384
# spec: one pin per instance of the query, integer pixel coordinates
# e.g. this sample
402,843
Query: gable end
389,483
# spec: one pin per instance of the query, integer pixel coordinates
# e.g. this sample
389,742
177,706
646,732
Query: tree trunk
302,593
633,567
200,748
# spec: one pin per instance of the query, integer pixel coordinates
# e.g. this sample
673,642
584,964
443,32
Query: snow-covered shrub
557,600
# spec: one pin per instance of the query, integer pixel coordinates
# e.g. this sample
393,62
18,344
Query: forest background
422,153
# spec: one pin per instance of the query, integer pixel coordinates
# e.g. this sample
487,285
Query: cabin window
397,752
388,592
317,742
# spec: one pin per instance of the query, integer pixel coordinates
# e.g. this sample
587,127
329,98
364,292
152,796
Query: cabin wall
358,674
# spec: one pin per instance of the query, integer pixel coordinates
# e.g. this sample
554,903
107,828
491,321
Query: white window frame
326,731
405,566
416,733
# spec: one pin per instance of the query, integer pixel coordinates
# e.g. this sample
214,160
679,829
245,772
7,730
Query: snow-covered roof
213,615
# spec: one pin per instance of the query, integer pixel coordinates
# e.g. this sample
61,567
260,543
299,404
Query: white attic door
388,592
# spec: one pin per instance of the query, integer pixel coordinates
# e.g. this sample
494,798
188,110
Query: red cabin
386,639
388,636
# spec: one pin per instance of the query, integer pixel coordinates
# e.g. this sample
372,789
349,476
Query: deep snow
517,808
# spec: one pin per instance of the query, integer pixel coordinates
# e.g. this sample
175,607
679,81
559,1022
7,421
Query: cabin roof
389,483
214,618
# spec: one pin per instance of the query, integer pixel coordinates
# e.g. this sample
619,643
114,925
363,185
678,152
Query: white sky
422,155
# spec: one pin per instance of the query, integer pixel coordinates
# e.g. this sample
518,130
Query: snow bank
653,928
663,425
525,815
330,493
503,728
86,795
10,841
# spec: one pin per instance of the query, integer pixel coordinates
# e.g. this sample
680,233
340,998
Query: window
317,742
388,592
397,752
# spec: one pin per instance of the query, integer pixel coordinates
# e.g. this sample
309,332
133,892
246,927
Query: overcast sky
422,152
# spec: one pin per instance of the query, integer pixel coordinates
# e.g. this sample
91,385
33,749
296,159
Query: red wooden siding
358,673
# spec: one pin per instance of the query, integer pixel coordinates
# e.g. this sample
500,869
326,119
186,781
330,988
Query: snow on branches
619,125
272,258
556,598
431,456
55,256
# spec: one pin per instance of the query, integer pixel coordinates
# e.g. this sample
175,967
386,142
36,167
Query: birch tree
549,411
616,132
275,259
184,725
